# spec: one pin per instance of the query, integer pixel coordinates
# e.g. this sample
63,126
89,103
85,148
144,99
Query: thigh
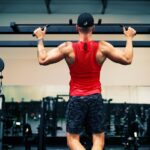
75,115
96,118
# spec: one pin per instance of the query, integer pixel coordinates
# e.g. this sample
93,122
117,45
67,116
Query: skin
105,51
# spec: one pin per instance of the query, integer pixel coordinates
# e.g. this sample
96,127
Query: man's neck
85,37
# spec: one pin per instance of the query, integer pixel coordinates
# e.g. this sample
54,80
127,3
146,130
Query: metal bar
104,6
47,2
56,43
41,131
71,29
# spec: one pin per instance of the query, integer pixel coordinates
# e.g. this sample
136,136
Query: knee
98,146
68,143
71,139
99,141
101,146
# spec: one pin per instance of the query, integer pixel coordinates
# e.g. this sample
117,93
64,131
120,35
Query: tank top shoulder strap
95,45
75,46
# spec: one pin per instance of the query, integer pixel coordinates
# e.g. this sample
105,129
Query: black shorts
85,112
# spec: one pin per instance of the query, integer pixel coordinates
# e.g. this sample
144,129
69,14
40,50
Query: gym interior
33,98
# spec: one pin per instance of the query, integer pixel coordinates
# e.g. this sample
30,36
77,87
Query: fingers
37,30
129,32
128,28
45,28
132,30
40,32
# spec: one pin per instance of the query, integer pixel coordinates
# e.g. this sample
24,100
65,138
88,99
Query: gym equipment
27,132
48,120
70,29
2,100
2,103
1,65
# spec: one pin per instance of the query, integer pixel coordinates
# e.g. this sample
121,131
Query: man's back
85,71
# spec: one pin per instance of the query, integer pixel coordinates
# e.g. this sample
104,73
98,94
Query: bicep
114,54
54,55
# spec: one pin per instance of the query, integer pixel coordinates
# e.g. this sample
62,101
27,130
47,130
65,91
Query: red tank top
85,71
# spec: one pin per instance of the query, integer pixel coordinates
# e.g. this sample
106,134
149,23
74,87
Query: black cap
85,20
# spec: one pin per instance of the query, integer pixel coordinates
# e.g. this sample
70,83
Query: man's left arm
124,56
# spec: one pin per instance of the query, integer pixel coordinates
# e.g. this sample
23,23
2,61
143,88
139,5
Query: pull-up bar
70,28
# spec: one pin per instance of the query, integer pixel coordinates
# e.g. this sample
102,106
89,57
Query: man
85,59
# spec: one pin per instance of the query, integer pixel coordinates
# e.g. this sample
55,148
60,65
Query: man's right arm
117,55
52,56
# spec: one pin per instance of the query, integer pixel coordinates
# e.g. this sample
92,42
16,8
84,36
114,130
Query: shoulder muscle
105,47
65,47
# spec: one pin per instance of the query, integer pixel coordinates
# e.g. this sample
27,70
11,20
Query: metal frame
104,6
47,3
70,29
103,2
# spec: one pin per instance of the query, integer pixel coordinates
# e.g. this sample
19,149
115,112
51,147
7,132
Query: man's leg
96,121
73,142
98,141
75,116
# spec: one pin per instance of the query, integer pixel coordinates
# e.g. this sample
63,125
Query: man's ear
77,28
93,28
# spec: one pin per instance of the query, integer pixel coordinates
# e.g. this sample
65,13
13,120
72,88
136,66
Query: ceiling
74,7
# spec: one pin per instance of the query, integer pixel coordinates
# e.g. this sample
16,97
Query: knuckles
38,30
130,31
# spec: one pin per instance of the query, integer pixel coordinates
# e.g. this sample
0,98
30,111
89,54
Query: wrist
41,40
129,38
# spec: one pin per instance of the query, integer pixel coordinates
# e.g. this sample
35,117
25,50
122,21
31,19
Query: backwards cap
85,20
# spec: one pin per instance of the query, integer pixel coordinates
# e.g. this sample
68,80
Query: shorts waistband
91,95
